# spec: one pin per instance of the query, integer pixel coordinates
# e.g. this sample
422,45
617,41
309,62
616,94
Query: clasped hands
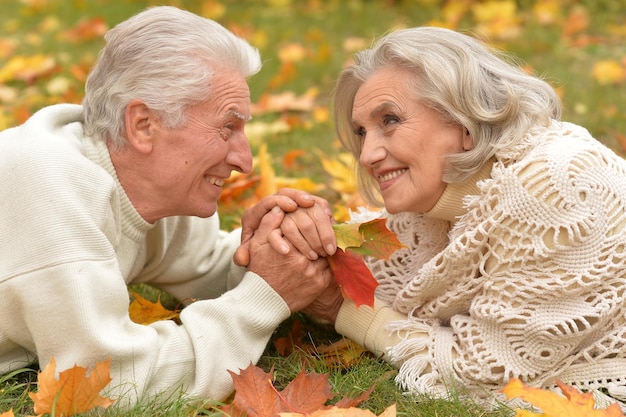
285,239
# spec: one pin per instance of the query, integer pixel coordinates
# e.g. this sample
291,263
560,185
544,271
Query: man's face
196,158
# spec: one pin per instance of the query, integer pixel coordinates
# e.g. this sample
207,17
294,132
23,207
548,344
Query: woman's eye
390,119
359,131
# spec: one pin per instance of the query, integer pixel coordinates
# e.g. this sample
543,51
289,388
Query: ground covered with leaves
48,46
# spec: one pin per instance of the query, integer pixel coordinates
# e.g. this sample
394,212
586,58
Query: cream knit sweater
519,272
71,241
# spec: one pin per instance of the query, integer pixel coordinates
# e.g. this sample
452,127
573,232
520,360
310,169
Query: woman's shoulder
558,143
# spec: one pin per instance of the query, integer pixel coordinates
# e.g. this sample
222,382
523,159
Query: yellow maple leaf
292,52
26,68
608,72
213,9
144,311
340,168
498,19
574,404
547,12
348,235
74,392
453,12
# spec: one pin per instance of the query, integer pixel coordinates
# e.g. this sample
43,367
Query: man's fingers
242,255
252,217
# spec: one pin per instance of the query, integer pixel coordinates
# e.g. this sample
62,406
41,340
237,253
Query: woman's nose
372,151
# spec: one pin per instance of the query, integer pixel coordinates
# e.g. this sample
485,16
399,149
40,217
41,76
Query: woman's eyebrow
381,108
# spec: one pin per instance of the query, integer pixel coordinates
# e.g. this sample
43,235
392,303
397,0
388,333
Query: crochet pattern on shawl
529,283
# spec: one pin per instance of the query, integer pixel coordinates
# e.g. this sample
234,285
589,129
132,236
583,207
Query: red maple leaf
353,276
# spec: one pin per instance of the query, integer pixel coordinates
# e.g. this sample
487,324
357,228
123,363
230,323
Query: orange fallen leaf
306,394
86,30
7,414
577,21
144,311
74,392
574,404
256,396
289,159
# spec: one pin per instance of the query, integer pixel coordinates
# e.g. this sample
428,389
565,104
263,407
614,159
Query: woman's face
403,141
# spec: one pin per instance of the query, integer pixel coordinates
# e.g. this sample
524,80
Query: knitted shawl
530,282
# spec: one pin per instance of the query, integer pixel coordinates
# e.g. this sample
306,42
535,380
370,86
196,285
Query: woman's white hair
470,84
165,57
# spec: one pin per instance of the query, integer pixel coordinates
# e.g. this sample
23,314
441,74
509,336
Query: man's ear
141,126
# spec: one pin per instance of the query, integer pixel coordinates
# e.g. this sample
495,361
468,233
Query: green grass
322,27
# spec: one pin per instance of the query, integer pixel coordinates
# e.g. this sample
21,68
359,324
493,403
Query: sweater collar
450,205
133,225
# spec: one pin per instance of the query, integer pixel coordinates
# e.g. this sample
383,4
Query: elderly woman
513,221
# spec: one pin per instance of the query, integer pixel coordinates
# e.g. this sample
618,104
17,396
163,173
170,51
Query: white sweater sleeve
64,258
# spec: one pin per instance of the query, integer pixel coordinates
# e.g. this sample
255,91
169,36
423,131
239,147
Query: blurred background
48,46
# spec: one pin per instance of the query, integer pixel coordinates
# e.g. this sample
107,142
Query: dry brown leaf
74,392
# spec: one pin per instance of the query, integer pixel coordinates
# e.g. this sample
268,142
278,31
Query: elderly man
124,189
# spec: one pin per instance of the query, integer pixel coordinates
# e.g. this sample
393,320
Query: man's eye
226,132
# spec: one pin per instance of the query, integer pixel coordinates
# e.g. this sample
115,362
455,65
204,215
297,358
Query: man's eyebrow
238,115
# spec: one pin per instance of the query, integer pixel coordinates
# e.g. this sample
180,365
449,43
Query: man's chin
205,212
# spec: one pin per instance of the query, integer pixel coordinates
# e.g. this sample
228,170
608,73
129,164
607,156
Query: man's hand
326,307
297,279
308,226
